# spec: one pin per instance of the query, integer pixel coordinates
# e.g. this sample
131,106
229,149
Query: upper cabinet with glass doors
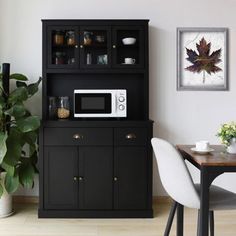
62,48
94,47
95,44
128,46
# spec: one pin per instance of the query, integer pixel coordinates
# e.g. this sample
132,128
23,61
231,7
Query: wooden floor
26,223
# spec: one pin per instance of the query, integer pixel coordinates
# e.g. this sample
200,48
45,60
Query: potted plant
18,136
227,134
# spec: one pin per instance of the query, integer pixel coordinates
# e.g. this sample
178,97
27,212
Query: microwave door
93,104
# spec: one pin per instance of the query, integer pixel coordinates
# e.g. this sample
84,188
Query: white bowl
129,41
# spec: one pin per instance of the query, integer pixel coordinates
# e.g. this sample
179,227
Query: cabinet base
95,214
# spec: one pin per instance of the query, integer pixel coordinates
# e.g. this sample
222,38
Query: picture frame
202,59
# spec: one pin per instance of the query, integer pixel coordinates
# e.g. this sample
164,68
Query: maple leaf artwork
202,60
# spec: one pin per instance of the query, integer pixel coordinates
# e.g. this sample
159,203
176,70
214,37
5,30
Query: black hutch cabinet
95,167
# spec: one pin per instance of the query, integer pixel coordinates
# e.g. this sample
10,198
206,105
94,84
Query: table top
219,157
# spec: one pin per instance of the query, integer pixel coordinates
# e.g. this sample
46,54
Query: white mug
129,60
202,145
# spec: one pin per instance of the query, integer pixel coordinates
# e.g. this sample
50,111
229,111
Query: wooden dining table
210,165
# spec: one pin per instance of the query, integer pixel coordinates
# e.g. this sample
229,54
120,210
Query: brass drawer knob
115,179
76,46
75,178
77,136
130,136
114,46
81,46
81,178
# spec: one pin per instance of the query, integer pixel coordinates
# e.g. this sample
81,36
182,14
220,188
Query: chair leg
211,219
180,220
170,218
198,222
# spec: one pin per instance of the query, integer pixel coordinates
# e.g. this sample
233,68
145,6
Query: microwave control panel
121,101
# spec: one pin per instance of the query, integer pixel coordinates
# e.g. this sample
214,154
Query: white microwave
100,103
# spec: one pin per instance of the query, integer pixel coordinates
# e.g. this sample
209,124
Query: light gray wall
180,117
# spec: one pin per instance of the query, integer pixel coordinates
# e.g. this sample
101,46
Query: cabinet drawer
130,136
78,136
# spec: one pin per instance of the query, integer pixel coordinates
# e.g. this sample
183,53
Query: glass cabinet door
128,47
95,44
63,47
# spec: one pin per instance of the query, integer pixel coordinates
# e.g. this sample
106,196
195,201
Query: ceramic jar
5,200
232,147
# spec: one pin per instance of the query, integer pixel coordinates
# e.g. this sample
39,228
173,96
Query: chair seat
220,199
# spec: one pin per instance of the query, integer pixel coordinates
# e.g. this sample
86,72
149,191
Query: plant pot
5,201
232,147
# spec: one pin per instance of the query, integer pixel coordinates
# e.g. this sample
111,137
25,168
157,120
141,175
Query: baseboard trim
161,199
25,199
35,200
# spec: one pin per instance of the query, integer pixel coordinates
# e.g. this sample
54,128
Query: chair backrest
174,174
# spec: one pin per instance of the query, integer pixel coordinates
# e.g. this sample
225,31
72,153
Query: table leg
204,203
180,220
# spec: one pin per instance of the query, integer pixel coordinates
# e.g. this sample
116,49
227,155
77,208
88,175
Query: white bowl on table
129,41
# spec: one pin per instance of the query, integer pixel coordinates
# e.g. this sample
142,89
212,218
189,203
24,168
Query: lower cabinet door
95,178
60,171
130,178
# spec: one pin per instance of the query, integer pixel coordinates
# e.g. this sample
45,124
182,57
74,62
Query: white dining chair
177,181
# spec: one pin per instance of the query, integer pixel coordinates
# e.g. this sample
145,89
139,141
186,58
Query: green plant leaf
2,101
17,76
16,134
20,84
31,137
11,183
1,190
3,146
33,88
26,175
27,113
8,168
32,149
19,94
14,146
34,157
2,105
28,124
13,154
16,110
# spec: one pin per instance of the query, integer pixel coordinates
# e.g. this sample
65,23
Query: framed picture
202,59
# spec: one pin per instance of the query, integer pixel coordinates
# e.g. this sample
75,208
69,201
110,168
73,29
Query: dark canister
58,38
52,108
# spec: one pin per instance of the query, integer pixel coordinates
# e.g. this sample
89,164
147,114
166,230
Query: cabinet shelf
131,65
128,46
94,46
64,46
